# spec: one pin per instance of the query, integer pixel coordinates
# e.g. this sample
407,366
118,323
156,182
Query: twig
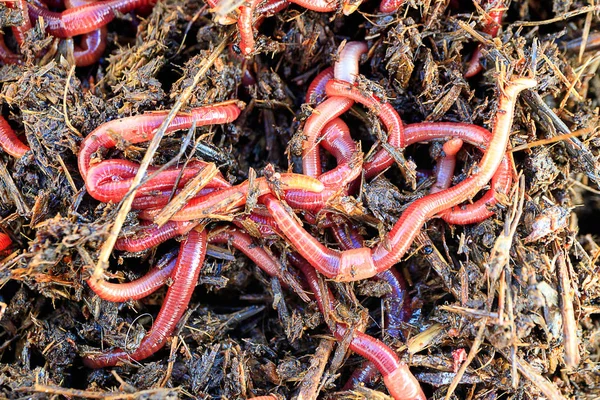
562,17
559,138
86,394
310,385
109,244
571,343
65,114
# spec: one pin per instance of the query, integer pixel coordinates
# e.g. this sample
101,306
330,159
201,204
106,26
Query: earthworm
161,198
185,276
398,379
110,180
475,135
137,289
234,197
316,90
317,5
141,128
5,241
346,67
86,18
390,6
386,113
9,141
363,262
261,220
20,31
91,47
444,170
156,277
325,112
152,235
337,141
492,26
244,243
245,26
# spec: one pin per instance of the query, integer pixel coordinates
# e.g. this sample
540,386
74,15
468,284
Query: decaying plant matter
299,199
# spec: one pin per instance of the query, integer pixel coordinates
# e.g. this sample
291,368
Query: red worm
492,26
386,113
161,198
337,141
86,18
110,180
184,276
141,128
91,47
262,220
362,263
9,141
316,90
234,197
325,112
244,243
151,235
398,379
390,6
246,26
445,166
346,67
137,289
20,31
475,135
5,241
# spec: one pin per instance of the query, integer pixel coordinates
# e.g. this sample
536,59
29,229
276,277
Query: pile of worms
286,201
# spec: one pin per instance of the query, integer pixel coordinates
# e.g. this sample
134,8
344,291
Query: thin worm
152,235
9,141
316,90
185,276
386,113
444,170
134,290
245,26
111,180
492,26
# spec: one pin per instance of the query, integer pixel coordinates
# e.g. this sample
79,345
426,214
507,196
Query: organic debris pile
303,199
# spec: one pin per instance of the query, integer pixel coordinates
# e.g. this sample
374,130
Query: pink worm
184,276
9,141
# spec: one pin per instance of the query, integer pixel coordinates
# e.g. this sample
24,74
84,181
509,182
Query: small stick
310,385
571,344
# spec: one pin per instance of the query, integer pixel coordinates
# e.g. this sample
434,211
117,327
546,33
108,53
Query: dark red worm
492,26
86,18
9,141
161,198
137,289
184,276
90,48
5,241
398,379
362,263
141,128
